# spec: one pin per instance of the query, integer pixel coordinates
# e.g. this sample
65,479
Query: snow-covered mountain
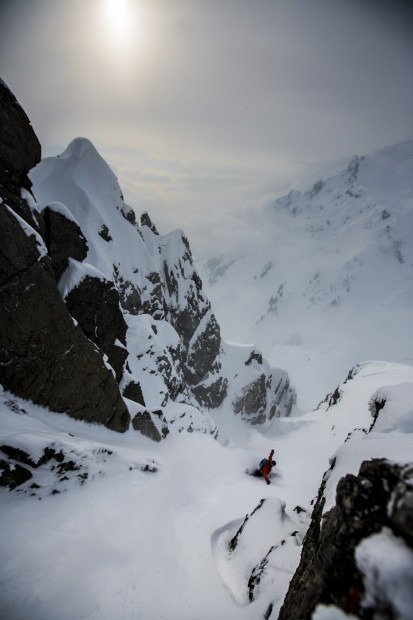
108,344
325,277
173,345
91,298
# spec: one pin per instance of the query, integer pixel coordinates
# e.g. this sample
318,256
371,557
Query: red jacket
266,469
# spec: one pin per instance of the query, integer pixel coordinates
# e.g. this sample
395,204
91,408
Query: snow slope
324,278
123,527
90,191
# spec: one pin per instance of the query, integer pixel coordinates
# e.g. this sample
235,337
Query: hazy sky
201,105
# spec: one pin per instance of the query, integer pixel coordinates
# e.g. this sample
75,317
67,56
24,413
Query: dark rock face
17,251
252,403
155,303
19,147
19,151
283,395
133,391
64,239
146,221
94,303
380,496
196,326
334,397
144,423
233,543
255,355
203,350
104,233
129,215
13,475
43,356
211,396
12,196
255,578
266,396
169,364
130,297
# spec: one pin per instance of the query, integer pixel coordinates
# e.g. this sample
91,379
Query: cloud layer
201,102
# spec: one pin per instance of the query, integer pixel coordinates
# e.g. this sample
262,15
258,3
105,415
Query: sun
118,14
121,20
121,32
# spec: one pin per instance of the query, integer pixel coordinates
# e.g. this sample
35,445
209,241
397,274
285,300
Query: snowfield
117,526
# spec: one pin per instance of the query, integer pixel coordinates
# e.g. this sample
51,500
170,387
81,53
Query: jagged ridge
126,294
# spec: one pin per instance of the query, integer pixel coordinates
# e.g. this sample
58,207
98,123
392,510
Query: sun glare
118,15
123,33
122,20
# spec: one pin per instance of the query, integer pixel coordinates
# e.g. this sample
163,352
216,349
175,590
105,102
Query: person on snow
266,466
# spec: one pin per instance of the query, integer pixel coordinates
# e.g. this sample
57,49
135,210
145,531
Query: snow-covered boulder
251,553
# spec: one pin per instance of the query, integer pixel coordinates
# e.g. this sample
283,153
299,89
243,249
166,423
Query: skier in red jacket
267,467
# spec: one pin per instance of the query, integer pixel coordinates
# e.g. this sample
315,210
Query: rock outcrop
19,147
266,395
146,221
44,356
338,561
63,238
94,303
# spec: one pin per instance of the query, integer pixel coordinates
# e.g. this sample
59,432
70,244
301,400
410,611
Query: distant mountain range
326,279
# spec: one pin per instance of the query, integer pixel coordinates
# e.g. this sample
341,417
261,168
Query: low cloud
206,107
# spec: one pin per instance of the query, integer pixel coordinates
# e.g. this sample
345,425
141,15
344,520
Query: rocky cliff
354,554
103,318
44,356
